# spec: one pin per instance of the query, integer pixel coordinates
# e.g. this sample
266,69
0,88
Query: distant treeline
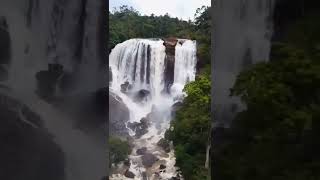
126,23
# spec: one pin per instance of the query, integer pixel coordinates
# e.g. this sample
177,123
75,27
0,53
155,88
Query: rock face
170,44
140,128
118,116
27,150
149,159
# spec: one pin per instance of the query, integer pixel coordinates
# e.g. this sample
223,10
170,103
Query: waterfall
66,32
138,69
241,37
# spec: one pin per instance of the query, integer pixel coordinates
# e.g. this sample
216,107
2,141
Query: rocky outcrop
175,107
91,110
164,144
170,44
118,116
141,151
149,159
141,95
27,150
125,87
129,174
140,128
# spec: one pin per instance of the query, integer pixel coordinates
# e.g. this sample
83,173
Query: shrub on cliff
119,150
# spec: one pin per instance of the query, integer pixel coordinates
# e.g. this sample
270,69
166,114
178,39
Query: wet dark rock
142,95
141,151
140,128
149,159
156,174
4,75
164,144
4,42
129,174
125,87
118,116
162,166
47,80
105,178
67,83
175,178
127,162
144,176
170,44
110,74
27,150
175,107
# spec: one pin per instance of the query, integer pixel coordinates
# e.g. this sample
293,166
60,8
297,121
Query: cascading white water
241,37
65,32
141,64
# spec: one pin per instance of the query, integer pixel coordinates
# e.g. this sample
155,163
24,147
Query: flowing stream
138,69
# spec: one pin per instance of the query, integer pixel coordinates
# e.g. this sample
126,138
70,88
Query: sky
183,9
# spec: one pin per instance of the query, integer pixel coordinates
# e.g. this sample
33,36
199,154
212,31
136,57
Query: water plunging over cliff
68,33
139,72
241,37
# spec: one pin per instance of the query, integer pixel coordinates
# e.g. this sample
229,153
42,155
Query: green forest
276,137
191,124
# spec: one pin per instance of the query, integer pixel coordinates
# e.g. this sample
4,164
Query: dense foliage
118,151
276,137
126,23
190,129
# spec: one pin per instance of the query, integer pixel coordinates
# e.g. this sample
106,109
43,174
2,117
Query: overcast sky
183,9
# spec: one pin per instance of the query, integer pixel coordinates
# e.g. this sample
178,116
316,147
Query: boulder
162,166
175,107
141,151
125,87
144,176
127,162
142,95
149,159
129,174
47,80
164,144
140,128
66,82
